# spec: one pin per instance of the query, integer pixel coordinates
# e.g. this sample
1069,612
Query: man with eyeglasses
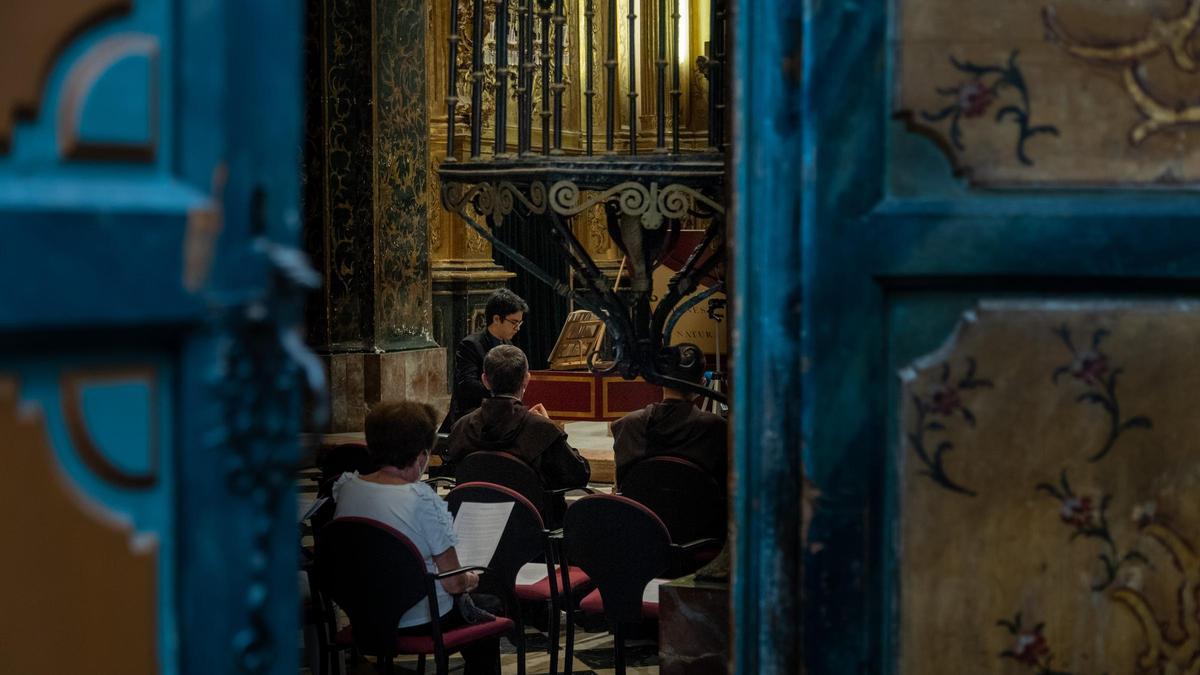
505,313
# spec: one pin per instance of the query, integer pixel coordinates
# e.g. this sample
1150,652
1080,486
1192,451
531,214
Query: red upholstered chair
375,574
685,497
622,546
524,541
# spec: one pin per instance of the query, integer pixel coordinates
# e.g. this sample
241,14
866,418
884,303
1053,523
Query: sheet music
479,527
531,573
650,594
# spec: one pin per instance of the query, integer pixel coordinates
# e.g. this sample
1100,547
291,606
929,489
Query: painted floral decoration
1089,519
1029,647
1092,368
974,96
942,402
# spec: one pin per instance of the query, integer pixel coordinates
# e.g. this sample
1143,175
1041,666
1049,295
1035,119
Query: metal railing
544,23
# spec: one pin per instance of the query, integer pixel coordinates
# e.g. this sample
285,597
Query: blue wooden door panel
893,250
110,418
147,210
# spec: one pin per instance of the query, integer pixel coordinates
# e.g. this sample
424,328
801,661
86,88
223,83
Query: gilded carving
1176,37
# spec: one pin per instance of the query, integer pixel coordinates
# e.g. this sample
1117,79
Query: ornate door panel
148,387
1014,495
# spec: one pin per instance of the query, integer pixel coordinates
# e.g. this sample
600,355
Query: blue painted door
149,163
860,246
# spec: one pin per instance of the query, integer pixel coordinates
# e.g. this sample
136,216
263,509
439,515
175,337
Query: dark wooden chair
525,541
374,573
622,546
685,497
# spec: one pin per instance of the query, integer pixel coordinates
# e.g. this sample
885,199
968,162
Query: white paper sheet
531,573
479,527
650,594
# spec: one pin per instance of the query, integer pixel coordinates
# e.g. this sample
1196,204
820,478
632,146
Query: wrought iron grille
646,179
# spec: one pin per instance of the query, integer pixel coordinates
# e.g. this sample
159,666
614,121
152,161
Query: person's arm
460,583
561,466
468,383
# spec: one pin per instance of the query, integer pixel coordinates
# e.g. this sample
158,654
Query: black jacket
468,391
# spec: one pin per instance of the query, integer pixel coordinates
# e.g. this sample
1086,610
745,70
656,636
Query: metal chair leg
520,635
619,649
554,626
421,665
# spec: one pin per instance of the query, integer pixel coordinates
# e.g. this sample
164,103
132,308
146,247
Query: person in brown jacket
675,427
503,423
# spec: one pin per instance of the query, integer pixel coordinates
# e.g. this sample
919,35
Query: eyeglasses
515,323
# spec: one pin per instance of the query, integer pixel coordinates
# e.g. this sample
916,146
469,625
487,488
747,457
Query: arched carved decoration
131,103
90,449
32,35
72,583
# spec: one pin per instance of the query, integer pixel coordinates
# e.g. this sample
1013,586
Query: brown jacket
504,424
673,427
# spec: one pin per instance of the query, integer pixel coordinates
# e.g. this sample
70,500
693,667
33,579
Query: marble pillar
367,178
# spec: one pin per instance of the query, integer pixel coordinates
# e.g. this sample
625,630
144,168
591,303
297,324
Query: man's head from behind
685,362
505,371
399,431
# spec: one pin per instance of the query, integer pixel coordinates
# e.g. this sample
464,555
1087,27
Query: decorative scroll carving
496,200
1172,36
32,35
1175,37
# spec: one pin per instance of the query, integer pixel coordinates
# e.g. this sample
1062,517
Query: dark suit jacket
672,427
468,391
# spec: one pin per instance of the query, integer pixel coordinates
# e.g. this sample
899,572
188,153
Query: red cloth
452,639
541,590
594,604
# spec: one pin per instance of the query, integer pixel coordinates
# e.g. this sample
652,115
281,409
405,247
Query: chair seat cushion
539,591
423,644
344,638
594,604
453,638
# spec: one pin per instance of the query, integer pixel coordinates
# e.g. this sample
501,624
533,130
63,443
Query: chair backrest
502,468
375,574
621,545
523,538
338,459
681,493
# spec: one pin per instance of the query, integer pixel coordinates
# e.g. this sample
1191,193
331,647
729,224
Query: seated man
674,427
504,424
